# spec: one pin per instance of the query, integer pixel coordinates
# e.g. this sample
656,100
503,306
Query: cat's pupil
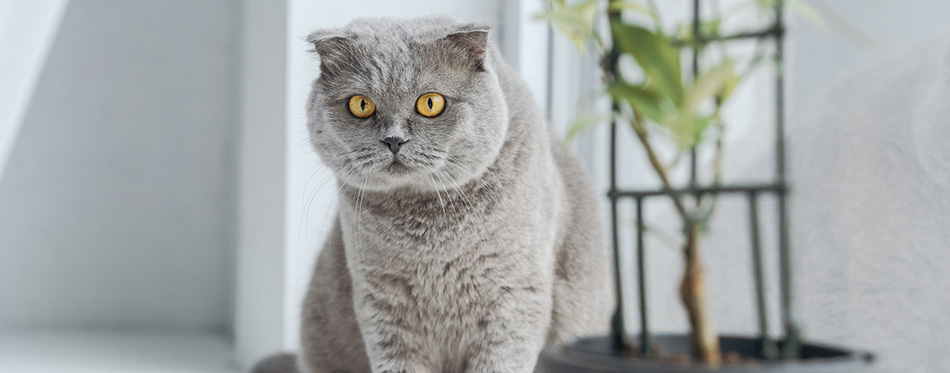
430,103
362,104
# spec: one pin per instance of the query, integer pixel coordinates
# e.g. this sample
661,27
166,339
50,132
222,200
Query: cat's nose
394,143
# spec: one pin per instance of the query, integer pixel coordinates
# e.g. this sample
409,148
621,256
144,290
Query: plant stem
641,132
706,214
693,294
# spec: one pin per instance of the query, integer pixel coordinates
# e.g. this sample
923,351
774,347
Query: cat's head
406,103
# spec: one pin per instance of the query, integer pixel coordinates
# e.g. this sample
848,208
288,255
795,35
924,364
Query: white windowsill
79,351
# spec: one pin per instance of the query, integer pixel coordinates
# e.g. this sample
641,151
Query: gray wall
117,207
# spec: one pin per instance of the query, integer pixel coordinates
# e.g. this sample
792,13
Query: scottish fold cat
467,237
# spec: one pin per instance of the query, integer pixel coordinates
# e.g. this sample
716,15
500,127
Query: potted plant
661,104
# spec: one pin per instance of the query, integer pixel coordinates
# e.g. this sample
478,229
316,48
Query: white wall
26,32
869,159
820,56
116,206
260,290
871,213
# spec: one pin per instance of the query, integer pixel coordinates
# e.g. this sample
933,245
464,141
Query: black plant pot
595,355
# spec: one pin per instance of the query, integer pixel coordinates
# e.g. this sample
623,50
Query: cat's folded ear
471,40
332,46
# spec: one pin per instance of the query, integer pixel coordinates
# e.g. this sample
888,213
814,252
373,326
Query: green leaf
628,5
687,124
575,22
728,86
643,100
687,128
654,53
706,28
584,122
619,6
715,83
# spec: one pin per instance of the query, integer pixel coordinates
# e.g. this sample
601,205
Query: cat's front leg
512,333
393,344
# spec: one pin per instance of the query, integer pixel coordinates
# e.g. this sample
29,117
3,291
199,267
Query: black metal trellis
779,188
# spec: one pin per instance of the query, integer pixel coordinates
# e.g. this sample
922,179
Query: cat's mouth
397,167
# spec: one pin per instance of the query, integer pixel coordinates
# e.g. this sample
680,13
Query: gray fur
482,248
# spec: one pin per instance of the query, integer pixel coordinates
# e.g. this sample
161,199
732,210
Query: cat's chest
453,261
454,253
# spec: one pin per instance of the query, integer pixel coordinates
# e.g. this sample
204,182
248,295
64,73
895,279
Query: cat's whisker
359,212
316,191
323,183
314,168
352,172
444,216
326,180
446,190
445,179
312,171
333,198
305,218
298,144
359,228
474,177
462,192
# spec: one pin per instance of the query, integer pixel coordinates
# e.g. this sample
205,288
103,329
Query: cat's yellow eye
361,106
430,104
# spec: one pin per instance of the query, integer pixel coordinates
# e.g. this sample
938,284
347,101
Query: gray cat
468,238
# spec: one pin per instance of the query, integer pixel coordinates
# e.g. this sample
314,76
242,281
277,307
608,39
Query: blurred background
161,207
